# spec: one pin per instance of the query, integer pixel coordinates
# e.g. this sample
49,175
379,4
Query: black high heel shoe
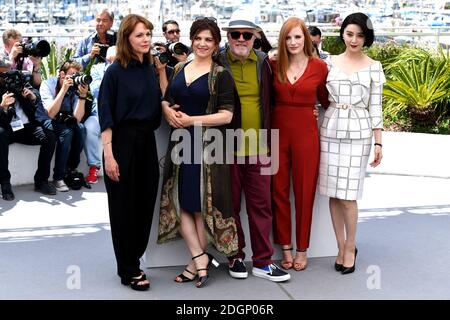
347,270
181,278
211,261
136,283
338,266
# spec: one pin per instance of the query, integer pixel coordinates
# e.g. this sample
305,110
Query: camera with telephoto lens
39,48
79,78
178,48
15,81
164,57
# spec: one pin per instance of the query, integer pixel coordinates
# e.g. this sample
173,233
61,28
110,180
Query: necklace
300,70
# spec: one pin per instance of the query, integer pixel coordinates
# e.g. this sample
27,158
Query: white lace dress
346,131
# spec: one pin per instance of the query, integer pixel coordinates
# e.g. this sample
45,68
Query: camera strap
19,117
69,95
19,64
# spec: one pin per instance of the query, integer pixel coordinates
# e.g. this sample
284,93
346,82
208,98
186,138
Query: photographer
95,45
18,123
12,40
171,32
316,37
65,105
92,125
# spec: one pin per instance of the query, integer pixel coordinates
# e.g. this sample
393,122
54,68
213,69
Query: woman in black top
129,112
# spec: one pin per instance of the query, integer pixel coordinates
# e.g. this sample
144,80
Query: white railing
70,33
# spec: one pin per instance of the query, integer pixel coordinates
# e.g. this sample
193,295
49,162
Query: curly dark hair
200,25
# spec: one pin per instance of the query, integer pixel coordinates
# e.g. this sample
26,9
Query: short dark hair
205,24
164,26
364,23
314,31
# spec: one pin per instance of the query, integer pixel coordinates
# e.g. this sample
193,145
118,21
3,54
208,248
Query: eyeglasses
174,31
207,18
236,35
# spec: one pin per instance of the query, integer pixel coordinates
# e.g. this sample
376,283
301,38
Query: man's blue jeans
91,142
69,144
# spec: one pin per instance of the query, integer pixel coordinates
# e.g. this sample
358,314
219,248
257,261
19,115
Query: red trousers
299,152
247,177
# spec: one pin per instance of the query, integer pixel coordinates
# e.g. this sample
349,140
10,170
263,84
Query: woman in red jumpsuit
299,83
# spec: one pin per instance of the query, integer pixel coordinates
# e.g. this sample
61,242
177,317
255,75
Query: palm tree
419,81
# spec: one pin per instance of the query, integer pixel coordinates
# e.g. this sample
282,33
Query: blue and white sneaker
271,272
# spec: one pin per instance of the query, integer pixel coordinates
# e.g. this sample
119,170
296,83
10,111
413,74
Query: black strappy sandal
134,282
211,261
184,278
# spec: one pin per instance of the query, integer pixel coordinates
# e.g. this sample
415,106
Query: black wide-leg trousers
131,201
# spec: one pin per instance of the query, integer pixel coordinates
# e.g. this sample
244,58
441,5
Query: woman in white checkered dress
355,84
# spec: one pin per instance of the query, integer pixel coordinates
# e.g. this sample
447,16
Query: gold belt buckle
344,106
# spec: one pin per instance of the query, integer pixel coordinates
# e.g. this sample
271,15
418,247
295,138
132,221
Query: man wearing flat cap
252,75
19,105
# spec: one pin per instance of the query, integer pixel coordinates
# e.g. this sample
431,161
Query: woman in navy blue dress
193,99
194,203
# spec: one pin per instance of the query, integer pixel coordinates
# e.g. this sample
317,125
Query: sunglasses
174,31
207,18
236,35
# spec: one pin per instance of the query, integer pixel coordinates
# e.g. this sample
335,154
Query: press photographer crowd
60,113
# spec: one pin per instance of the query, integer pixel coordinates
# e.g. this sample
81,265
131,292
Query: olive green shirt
246,79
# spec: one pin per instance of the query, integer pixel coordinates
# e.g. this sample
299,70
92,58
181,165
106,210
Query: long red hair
283,54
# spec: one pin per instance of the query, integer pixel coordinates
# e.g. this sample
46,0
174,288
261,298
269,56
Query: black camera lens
37,49
257,44
178,48
164,57
81,79
15,81
103,50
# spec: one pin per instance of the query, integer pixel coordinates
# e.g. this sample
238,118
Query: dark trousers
31,134
131,201
70,142
256,187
